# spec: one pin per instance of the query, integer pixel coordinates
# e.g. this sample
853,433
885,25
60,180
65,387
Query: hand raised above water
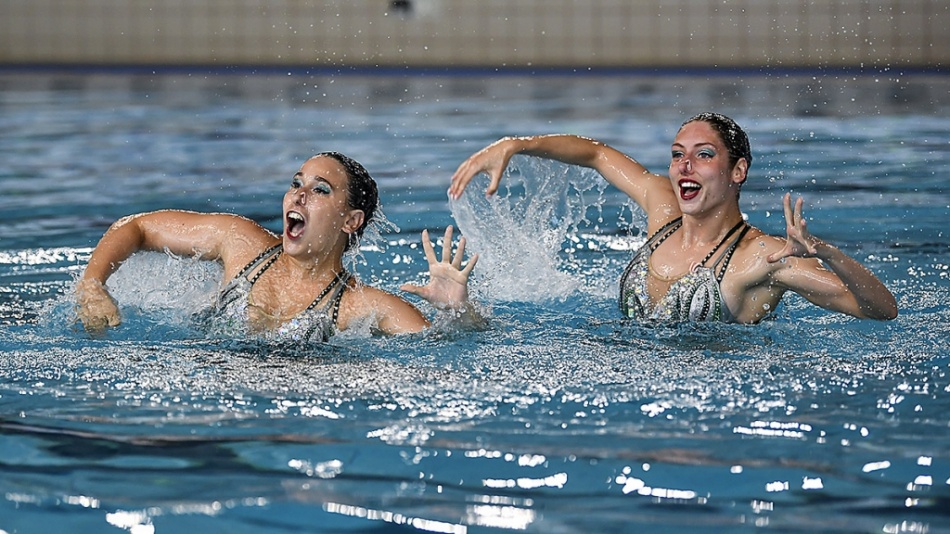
448,280
491,160
799,243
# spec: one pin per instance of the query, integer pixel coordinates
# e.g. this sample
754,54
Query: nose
686,165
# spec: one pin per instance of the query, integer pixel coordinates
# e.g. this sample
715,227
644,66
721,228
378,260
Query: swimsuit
230,312
695,296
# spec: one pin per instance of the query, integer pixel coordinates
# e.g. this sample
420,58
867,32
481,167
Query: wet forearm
123,239
569,149
873,298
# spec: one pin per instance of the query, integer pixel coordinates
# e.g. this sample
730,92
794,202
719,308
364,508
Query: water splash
166,286
527,234
373,239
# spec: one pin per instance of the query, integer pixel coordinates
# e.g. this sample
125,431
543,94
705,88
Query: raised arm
447,289
650,191
210,236
853,289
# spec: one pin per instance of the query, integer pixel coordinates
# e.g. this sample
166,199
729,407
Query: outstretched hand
491,160
448,280
95,307
799,243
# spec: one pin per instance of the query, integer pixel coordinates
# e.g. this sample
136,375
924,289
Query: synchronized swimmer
702,261
292,286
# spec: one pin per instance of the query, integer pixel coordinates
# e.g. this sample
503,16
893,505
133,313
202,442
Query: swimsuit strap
667,230
727,256
649,245
257,261
338,297
223,299
675,225
341,277
339,281
722,242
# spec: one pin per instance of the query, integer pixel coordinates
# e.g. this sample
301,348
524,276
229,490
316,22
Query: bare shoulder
757,242
387,312
751,260
247,232
748,285
237,226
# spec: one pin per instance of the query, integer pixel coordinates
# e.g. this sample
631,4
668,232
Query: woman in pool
703,262
292,286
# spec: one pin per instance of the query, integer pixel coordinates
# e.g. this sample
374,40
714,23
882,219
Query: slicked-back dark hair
733,136
361,190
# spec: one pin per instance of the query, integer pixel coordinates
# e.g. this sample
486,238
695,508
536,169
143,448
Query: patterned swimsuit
695,296
230,314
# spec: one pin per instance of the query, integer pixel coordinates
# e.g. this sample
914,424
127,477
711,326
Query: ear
740,171
354,220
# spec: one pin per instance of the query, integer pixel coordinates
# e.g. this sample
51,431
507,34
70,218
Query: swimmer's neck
709,228
310,269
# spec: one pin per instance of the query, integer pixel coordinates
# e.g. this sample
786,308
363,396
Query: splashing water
527,234
168,286
560,417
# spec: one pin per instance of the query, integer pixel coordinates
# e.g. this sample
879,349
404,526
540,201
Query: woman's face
316,214
700,170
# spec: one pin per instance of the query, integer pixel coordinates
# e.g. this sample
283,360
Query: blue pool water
559,418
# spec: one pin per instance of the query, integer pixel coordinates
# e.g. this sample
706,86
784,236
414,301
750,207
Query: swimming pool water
560,417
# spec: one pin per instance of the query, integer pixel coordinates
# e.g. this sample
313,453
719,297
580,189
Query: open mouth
689,189
295,224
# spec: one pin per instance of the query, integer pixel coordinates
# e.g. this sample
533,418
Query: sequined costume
230,313
695,296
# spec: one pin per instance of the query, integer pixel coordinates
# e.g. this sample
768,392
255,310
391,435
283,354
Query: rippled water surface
559,417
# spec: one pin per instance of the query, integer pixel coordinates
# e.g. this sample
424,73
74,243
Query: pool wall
776,34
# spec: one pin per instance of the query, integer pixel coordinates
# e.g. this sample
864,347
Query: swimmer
702,261
294,284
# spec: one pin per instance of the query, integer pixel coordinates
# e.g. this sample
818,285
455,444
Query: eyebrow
299,174
703,144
